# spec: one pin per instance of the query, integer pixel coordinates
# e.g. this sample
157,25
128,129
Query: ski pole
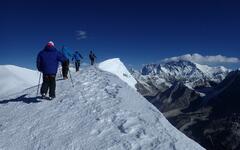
71,77
39,82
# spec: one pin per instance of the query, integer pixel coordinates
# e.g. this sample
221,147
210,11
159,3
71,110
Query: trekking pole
71,77
39,82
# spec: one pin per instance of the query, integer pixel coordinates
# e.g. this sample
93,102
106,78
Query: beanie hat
50,44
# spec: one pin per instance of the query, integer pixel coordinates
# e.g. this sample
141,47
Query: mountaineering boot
51,98
44,95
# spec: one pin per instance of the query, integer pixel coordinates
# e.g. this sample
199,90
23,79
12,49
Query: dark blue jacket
77,56
47,60
92,56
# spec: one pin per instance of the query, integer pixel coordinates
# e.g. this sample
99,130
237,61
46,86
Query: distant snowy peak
115,66
207,69
151,69
181,64
217,74
178,69
185,70
15,79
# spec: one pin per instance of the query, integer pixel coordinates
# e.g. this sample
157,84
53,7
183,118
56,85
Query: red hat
50,44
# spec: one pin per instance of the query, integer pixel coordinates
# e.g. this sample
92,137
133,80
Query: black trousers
92,61
77,65
65,68
49,83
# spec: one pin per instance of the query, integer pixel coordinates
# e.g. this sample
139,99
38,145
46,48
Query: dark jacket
47,60
77,56
92,56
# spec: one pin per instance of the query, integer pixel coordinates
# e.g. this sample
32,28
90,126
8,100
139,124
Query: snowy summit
101,112
115,66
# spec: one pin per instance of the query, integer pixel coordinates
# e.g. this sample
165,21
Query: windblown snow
116,67
101,112
15,79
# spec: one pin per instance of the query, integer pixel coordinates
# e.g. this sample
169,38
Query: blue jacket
77,56
47,60
66,53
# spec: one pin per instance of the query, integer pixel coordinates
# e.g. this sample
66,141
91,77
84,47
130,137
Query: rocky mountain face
149,85
178,96
224,97
221,129
201,101
155,78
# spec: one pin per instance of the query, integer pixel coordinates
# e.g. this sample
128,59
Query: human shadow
22,98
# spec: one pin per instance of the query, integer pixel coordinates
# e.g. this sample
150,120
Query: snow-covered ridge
116,67
183,68
214,73
192,73
100,112
15,79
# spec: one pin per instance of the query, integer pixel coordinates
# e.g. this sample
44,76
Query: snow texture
101,112
214,73
15,79
116,67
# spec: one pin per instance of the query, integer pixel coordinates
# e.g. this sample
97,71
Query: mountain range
199,100
155,78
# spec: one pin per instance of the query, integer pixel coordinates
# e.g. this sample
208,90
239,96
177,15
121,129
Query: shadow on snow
22,98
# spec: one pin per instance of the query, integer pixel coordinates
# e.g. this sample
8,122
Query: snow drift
100,112
116,67
15,79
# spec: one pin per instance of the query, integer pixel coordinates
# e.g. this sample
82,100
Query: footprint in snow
86,83
1,127
95,132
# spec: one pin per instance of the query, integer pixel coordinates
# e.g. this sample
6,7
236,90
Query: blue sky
138,32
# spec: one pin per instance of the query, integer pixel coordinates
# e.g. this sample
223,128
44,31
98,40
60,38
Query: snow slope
101,112
15,79
116,67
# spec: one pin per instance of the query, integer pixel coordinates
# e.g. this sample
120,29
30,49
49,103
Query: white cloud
217,59
81,35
